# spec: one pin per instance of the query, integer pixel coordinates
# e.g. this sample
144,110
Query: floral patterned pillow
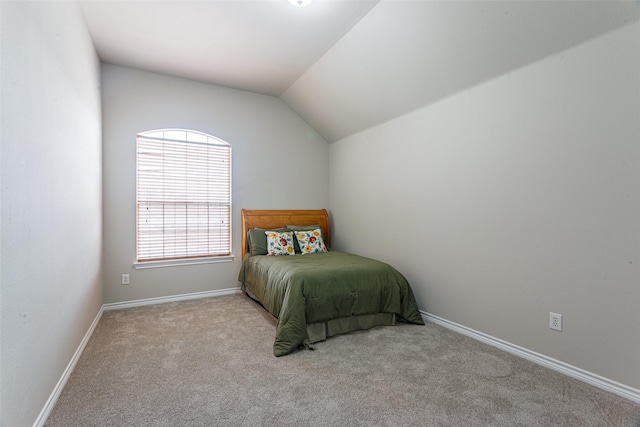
280,243
310,241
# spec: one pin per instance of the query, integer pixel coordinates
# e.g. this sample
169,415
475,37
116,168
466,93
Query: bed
320,294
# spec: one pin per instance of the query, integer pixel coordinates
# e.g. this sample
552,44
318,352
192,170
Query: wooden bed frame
269,219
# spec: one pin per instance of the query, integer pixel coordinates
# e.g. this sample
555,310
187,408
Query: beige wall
51,215
279,162
513,199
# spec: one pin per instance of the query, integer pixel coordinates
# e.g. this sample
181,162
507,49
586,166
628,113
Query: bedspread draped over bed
302,289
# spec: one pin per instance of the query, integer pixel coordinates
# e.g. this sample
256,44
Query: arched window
183,195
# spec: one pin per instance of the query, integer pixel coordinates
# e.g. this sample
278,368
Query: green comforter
303,289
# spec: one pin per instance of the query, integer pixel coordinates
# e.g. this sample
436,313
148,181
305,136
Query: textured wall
51,199
513,199
279,162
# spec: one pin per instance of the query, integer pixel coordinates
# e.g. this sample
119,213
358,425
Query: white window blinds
183,195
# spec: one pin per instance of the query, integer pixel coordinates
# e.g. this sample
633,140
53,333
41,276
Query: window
183,195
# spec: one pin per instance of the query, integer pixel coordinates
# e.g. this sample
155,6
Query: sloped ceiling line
345,66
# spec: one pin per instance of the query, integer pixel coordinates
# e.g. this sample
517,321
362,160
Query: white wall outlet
125,279
555,321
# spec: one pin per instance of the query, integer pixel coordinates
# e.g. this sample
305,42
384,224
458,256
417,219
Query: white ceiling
345,65
259,46
407,54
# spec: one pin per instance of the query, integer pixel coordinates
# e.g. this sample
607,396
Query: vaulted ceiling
345,65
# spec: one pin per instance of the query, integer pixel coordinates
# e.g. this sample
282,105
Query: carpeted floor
209,362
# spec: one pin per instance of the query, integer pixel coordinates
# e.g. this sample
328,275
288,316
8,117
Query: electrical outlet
555,321
125,279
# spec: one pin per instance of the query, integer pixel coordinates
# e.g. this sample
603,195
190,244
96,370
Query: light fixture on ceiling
300,3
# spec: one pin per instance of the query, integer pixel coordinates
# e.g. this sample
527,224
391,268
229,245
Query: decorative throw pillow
257,240
279,243
296,228
310,241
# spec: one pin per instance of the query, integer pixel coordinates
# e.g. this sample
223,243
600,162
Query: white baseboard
53,398
57,390
540,359
173,298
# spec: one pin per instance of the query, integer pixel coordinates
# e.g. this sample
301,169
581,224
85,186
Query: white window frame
176,198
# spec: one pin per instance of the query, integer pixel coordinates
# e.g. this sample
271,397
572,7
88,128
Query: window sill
179,262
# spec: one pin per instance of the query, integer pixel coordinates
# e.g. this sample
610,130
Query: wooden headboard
269,219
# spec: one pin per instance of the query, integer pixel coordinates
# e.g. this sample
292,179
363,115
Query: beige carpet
209,362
